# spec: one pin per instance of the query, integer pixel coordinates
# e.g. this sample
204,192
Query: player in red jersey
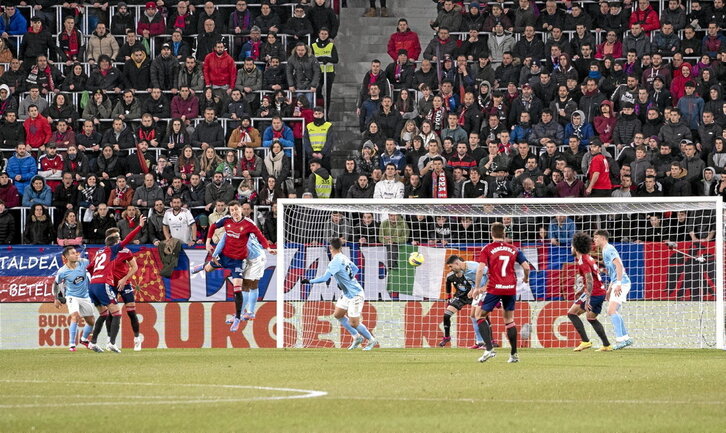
238,230
102,291
591,296
124,267
499,257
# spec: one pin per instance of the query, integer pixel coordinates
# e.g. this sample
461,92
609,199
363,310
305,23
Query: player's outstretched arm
130,237
321,279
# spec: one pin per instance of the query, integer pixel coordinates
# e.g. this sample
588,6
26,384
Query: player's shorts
595,302
459,302
235,266
127,294
255,268
102,294
624,289
354,305
489,303
82,306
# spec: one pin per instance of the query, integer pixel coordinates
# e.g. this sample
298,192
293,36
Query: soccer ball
415,259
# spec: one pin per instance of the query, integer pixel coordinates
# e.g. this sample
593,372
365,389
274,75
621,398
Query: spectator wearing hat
401,72
526,102
691,107
322,16
164,69
151,22
101,43
627,125
404,39
473,19
123,19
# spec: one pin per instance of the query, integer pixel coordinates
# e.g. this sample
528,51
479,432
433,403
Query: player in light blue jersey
619,287
349,307
254,270
71,285
458,284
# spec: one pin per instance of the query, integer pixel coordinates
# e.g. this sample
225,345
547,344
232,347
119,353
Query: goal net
672,250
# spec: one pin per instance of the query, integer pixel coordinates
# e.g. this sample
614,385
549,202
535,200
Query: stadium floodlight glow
676,301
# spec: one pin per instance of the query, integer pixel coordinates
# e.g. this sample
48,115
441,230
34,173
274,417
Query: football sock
108,327
618,325
131,312
345,323
447,323
579,326
237,304
245,299
597,326
512,336
476,330
99,325
252,302
115,325
72,334
362,330
485,332
86,332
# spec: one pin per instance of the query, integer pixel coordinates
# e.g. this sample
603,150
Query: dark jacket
137,77
164,72
7,228
95,231
211,133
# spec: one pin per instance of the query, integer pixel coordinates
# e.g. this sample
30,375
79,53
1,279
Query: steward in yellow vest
316,138
320,182
327,55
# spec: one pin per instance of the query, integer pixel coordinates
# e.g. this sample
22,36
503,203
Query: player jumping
349,307
72,283
499,257
458,285
618,290
593,294
235,251
102,291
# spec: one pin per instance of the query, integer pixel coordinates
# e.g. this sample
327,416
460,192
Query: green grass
434,390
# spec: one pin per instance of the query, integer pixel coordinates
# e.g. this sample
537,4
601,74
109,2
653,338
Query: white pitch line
532,401
301,393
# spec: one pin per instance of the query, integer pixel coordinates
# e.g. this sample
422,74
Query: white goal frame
382,206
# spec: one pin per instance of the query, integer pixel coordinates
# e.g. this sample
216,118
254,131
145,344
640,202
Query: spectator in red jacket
404,39
646,16
37,129
151,22
219,69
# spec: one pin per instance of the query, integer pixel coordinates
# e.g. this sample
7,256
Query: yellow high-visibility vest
325,51
318,135
323,187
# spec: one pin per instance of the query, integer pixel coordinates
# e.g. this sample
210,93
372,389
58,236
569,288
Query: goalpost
672,249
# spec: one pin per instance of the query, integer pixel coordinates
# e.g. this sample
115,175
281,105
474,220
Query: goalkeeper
458,284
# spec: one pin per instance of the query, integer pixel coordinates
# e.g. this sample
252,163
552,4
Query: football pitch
386,390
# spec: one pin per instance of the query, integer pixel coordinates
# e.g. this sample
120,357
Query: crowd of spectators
113,109
609,99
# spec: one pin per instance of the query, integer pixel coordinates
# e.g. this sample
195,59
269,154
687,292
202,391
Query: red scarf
180,22
73,44
277,134
440,185
142,160
131,221
120,195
